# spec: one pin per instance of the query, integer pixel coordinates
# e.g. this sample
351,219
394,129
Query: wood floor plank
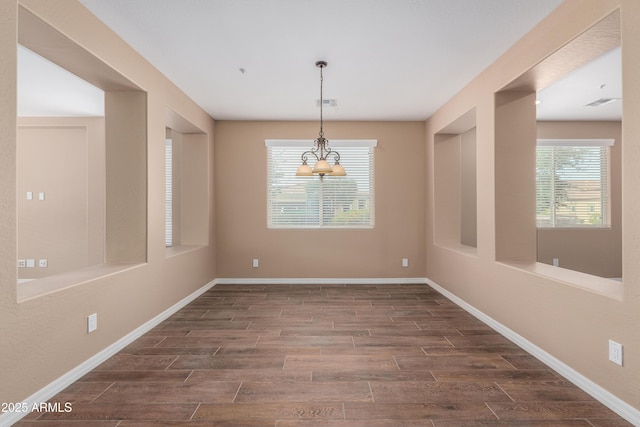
341,363
417,411
311,341
148,412
354,423
209,341
270,412
112,376
124,362
226,362
370,375
512,423
70,423
551,410
170,392
454,362
543,391
254,375
207,423
395,340
437,392
496,375
356,391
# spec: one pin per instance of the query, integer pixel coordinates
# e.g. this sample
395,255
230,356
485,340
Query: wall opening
186,184
455,177
81,168
526,113
583,231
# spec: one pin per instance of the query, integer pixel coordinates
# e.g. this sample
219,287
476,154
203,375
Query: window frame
604,145
293,160
168,190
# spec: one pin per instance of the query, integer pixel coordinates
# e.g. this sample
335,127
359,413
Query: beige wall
242,234
468,190
595,251
567,314
43,325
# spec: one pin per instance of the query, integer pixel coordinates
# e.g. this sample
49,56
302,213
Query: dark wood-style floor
330,356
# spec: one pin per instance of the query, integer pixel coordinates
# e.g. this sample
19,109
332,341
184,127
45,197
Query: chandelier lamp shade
321,150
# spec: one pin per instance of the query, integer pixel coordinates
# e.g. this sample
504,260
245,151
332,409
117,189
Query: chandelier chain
321,102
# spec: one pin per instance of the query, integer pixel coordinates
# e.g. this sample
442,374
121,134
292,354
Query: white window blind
168,186
572,183
308,202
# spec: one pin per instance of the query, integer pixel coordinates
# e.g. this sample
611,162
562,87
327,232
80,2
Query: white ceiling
254,59
568,98
44,89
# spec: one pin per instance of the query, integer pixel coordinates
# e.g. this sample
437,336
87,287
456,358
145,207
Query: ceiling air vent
602,101
327,102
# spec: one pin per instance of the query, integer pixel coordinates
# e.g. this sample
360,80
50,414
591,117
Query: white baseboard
84,368
617,405
320,281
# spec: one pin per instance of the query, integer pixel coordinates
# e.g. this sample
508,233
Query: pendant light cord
321,101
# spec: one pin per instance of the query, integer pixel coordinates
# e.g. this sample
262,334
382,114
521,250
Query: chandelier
321,150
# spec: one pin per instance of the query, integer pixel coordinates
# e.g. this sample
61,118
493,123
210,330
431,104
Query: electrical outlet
22,263
615,352
405,262
256,263
556,262
92,322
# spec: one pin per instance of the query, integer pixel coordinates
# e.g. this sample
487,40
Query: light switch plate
92,322
615,352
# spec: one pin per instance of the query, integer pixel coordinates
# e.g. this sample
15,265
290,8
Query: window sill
459,248
31,289
610,288
182,249
577,227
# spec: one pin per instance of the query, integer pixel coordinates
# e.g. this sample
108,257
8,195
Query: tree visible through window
308,202
572,183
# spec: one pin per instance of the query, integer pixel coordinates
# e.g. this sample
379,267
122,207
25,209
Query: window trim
588,143
306,144
168,182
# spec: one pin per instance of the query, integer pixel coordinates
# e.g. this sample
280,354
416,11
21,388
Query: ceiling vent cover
602,101
327,102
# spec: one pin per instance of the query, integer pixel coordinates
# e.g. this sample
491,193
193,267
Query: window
168,186
309,202
572,183
186,186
